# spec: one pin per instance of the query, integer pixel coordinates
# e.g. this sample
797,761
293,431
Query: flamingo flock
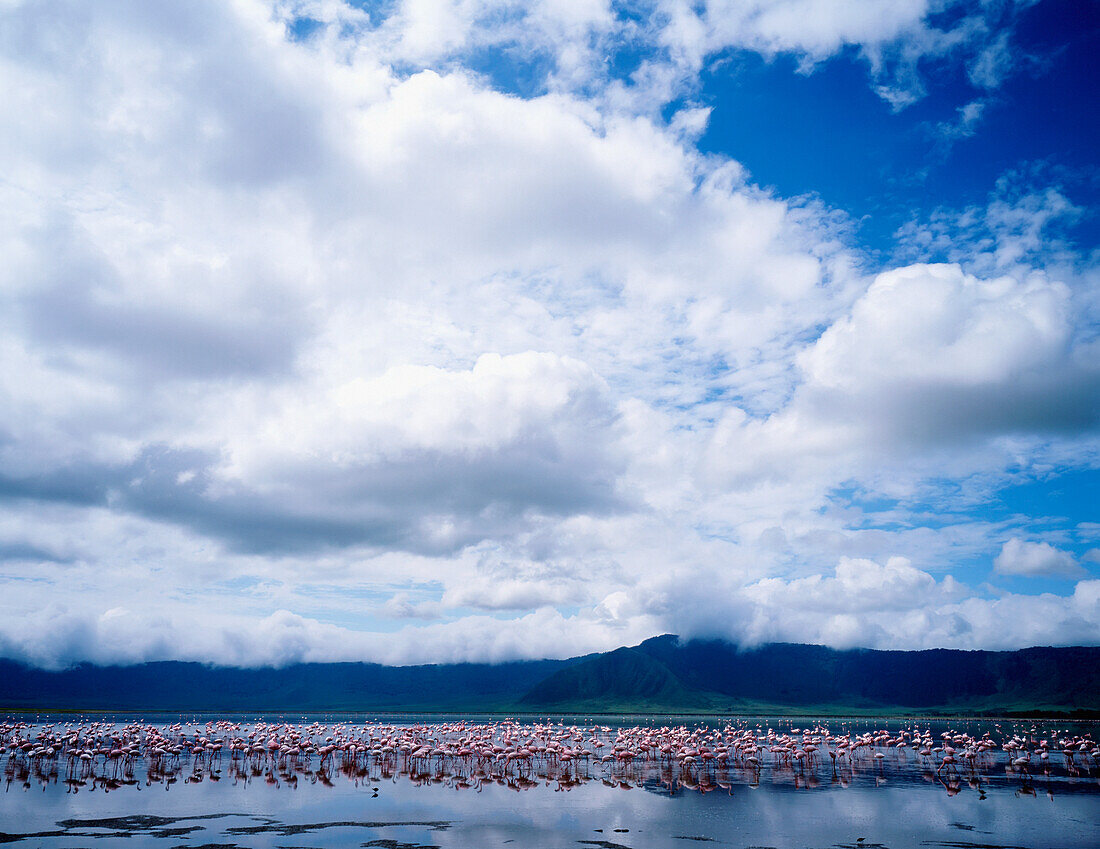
461,755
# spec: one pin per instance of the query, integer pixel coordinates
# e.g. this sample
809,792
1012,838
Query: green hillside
661,675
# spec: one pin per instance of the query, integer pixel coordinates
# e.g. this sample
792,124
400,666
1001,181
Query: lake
637,782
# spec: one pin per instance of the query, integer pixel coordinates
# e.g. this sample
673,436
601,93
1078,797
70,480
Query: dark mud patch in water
147,825
860,845
962,826
136,825
962,844
285,830
603,844
208,846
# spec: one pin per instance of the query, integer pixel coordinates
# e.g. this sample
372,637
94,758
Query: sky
426,331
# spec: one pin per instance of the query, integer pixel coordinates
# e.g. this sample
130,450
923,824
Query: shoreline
1084,716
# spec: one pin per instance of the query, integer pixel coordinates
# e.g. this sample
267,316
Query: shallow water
899,800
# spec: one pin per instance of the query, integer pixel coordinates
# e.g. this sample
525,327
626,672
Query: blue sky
437,330
826,132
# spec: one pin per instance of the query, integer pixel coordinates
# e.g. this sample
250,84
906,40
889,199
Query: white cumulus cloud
309,332
1020,557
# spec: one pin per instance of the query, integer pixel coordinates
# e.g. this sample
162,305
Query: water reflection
703,758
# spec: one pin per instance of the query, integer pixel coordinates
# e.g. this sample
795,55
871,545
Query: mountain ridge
720,676
660,675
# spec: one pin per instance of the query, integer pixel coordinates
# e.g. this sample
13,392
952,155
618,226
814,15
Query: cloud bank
319,343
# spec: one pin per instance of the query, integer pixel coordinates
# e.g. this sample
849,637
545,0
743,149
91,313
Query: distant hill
177,686
713,675
663,675
626,675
